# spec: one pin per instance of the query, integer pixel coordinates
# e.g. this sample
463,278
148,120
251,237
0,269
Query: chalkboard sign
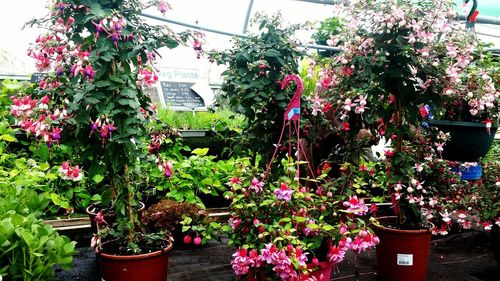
180,94
37,77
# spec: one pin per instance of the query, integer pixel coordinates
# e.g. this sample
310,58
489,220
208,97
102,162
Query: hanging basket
469,141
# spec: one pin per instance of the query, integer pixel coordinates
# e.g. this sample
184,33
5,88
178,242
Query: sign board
180,94
182,90
37,77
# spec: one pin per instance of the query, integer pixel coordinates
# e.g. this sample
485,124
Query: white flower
85,33
378,151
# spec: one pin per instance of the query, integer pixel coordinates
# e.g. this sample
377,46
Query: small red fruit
261,229
188,239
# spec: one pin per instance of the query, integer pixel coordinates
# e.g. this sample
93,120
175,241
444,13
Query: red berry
261,229
188,239
197,240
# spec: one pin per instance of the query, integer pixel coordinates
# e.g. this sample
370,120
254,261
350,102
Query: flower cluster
33,117
284,227
104,127
68,172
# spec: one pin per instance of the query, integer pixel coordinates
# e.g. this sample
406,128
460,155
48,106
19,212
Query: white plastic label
405,259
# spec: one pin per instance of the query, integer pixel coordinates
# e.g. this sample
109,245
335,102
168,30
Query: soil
458,257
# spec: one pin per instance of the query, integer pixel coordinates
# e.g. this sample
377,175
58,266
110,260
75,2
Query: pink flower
68,172
356,206
284,193
269,254
256,185
240,262
234,222
163,7
335,254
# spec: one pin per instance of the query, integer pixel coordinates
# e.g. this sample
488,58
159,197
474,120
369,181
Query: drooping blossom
284,192
256,185
240,262
356,206
68,172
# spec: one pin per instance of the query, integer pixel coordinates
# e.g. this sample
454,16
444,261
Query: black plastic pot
495,241
325,53
469,141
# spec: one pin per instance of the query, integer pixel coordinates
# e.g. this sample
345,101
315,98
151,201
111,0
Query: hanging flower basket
469,141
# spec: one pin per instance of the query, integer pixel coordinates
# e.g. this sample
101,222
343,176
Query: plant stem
131,233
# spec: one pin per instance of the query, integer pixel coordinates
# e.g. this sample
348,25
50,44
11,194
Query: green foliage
186,120
327,28
180,218
251,87
29,249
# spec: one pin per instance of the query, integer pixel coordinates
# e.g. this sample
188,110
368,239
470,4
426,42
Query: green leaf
7,138
98,178
272,53
200,151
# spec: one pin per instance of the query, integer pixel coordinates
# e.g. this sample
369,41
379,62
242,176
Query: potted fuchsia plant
291,229
390,71
98,57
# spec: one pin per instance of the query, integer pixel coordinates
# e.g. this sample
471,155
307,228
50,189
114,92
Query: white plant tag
405,259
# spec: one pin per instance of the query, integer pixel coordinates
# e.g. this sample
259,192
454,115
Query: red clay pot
402,254
151,267
324,271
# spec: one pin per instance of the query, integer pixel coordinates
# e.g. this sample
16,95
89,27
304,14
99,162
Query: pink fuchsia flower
283,192
234,222
240,262
163,7
256,185
284,267
269,254
95,241
67,172
254,259
234,180
497,221
335,254
487,226
166,167
356,206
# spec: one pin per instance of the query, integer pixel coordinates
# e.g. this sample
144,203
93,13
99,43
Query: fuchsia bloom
335,254
147,77
235,222
241,262
356,206
68,172
163,7
269,254
283,192
165,167
256,185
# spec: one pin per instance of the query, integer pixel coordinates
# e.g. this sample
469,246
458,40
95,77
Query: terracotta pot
109,218
402,254
324,272
151,267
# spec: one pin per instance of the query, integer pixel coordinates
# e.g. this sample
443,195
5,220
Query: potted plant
252,81
390,68
470,111
325,31
292,228
99,56
187,223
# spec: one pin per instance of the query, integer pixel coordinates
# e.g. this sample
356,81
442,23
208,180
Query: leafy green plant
252,83
327,28
184,220
186,120
193,176
29,249
99,56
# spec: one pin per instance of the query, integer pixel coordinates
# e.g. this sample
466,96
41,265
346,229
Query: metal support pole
247,17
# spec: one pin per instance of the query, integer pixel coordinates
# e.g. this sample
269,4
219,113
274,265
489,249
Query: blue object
471,173
293,111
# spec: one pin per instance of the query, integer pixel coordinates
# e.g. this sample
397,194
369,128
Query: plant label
405,259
